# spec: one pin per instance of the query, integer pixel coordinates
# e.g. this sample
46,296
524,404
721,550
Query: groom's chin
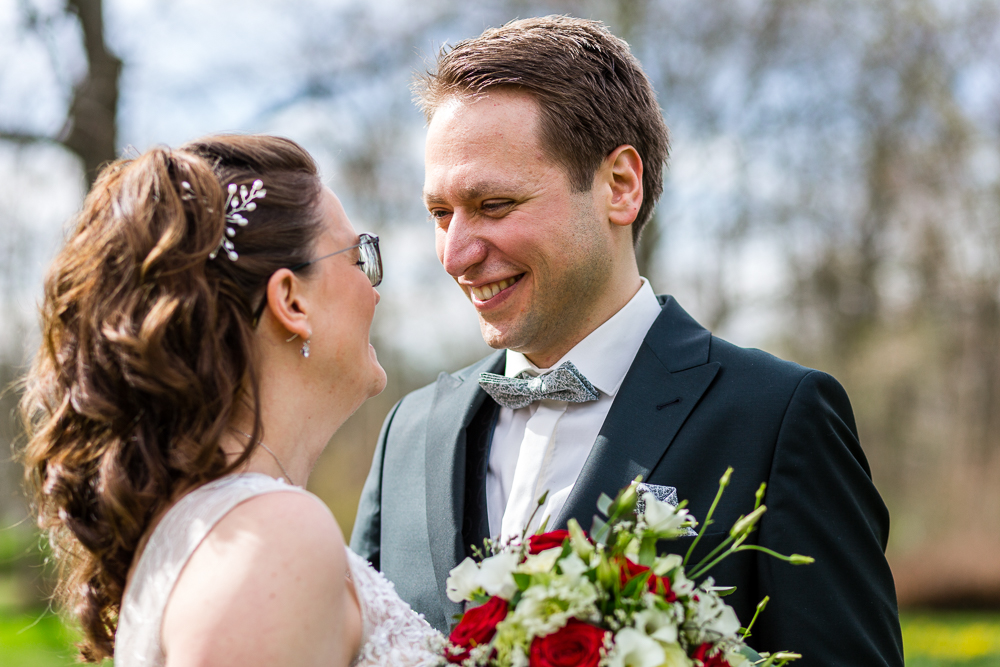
497,336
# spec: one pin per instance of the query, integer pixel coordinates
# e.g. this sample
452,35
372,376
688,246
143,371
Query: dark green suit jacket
690,406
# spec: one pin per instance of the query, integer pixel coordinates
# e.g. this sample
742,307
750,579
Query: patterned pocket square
665,494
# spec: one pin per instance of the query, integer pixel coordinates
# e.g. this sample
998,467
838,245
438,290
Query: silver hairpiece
235,207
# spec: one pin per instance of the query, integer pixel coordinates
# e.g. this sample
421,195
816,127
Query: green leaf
604,504
723,591
522,580
599,530
635,585
647,551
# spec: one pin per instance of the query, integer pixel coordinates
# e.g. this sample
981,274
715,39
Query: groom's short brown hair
591,91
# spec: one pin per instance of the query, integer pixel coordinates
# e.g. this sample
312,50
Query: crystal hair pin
239,201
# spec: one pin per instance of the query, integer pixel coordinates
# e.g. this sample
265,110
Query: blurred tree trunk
91,120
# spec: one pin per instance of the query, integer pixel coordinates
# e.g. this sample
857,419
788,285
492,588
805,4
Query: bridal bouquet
567,597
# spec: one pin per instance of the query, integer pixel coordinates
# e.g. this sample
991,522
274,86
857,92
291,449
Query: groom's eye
438,214
496,207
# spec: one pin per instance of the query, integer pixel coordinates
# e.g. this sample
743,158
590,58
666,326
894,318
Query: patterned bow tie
564,383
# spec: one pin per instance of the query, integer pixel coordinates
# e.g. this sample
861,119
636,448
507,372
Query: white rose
675,657
496,574
573,567
661,517
657,624
542,562
634,649
681,585
714,614
463,581
665,563
725,623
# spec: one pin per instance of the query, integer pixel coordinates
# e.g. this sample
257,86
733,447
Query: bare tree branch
25,138
91,120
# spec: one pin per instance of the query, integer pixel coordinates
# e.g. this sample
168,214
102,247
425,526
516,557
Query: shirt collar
606,354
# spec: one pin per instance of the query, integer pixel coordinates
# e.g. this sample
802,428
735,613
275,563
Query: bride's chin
380,381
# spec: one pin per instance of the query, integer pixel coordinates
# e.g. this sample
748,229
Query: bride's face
344,307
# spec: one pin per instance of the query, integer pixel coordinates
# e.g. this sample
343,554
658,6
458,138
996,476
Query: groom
544,156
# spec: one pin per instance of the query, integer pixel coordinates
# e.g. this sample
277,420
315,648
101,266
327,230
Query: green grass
937,639
35,640
951,639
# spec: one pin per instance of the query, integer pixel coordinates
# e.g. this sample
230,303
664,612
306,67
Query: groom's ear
287,302
620,180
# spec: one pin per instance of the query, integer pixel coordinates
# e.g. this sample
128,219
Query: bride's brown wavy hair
147,349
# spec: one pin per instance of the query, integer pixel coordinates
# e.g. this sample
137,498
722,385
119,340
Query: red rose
660,585
627,570
550,540
575,644
716,660
477,627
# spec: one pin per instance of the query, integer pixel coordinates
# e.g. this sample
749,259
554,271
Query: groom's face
525,248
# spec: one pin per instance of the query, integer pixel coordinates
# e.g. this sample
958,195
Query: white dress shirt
556,444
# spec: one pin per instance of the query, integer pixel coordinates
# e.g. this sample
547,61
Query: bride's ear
287,302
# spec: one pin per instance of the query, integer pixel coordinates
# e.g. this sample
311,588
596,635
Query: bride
205,332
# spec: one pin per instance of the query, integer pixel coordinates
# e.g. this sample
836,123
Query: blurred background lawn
833,197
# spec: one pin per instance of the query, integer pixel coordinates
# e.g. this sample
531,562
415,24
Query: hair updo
147,348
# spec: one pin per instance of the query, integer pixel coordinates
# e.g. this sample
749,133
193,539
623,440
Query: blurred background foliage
833,197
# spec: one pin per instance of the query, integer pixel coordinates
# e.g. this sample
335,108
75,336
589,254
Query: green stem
700,567
703,569
760,608
538,506
708,517
769,552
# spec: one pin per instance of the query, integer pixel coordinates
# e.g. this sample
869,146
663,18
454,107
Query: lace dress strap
393,634
182,529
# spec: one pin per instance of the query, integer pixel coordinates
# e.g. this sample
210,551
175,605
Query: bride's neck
298,422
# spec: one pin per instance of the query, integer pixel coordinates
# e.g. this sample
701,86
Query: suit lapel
668,377
456,401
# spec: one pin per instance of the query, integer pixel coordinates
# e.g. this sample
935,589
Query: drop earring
289,340
305,349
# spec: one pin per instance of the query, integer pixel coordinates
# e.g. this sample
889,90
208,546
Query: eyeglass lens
371,259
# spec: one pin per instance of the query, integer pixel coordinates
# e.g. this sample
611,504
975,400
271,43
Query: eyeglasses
369,259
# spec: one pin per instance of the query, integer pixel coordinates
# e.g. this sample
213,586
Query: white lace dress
392,633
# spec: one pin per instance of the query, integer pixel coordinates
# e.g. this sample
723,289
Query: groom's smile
483,293
527,248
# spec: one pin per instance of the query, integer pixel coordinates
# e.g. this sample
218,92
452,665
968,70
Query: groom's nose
460,245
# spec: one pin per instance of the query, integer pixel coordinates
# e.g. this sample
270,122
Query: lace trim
393,633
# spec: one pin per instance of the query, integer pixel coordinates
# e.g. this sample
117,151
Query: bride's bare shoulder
266,586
